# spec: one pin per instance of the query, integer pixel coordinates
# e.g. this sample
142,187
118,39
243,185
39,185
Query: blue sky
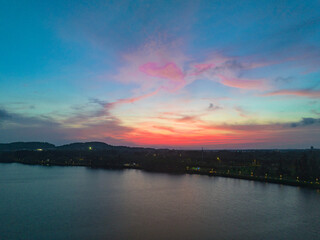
161,73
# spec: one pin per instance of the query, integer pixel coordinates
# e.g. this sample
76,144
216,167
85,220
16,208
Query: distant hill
78,146
15,146
86,146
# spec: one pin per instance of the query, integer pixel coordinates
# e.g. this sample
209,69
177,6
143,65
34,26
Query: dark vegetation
294,167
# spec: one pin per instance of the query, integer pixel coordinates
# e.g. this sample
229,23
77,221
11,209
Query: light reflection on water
39,202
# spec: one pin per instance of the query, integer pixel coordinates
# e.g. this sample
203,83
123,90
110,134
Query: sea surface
40,202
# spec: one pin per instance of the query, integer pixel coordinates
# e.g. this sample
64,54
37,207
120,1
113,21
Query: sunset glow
169,74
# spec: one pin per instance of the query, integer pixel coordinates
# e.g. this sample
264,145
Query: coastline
288,182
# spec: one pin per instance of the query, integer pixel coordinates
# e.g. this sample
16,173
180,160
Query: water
38,202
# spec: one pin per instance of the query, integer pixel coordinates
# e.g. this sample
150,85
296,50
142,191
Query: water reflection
39,202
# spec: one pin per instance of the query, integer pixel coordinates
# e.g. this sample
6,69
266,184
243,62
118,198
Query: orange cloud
143,137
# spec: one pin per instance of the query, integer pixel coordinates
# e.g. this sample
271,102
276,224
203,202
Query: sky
164,74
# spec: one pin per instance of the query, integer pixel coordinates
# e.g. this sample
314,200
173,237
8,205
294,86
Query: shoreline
287,182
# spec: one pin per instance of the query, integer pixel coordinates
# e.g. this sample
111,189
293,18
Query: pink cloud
242,112
225,70
242,83
163,66
204,66
299,93
169,71
153,66
131,100
201,68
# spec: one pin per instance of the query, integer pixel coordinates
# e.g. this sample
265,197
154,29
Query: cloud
315,112
242,112
169,71
17,119
174,117
270,135
201,68
4,115
188,119
227,71
284,79
98,101
21,127
232,65
152,66
169,129
157,66
85,124
306,122
177,130
298,93
242,83
213,107
111,105
111,128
